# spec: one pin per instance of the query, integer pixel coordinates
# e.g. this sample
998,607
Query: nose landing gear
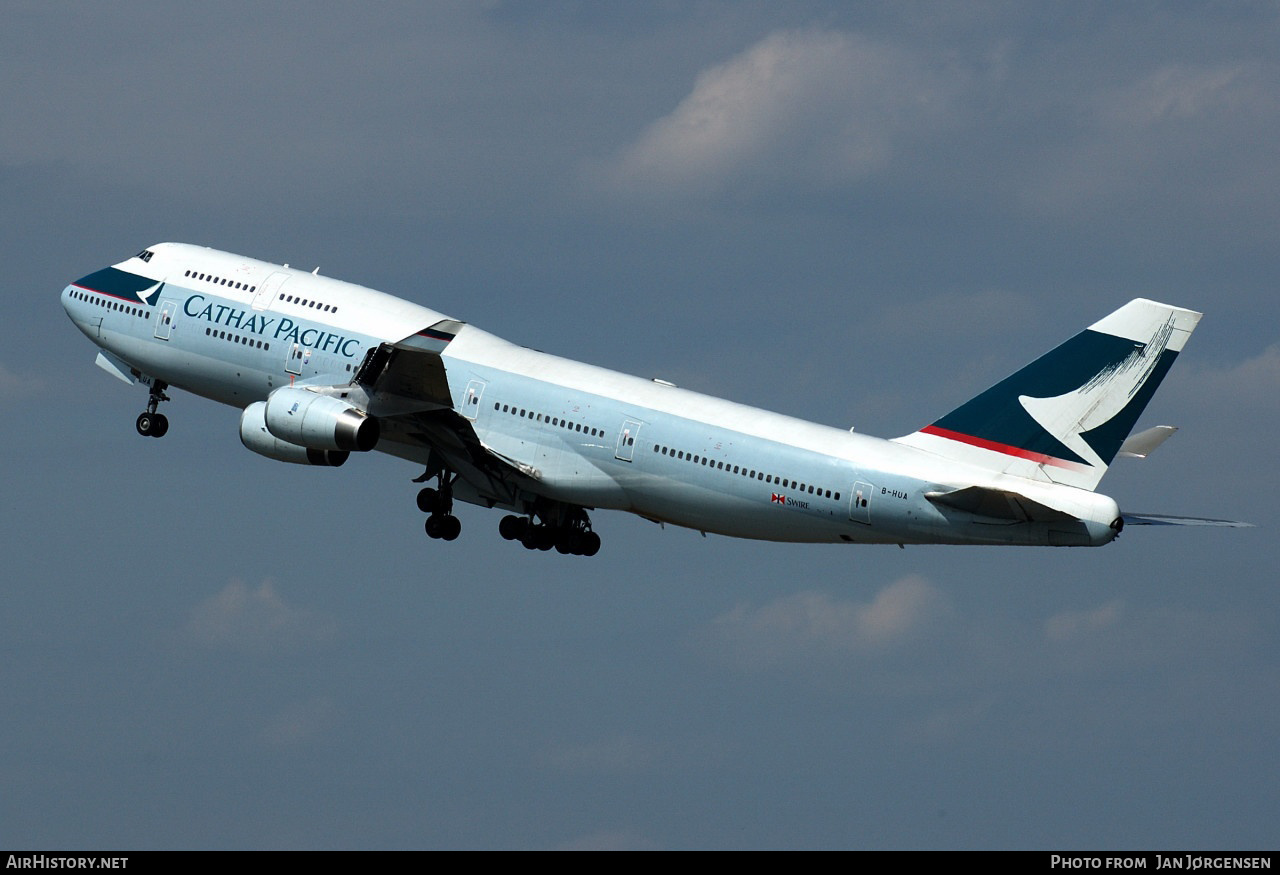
150,423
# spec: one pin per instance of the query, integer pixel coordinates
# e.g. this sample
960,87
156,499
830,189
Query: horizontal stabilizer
997,504
1143,444
1151,519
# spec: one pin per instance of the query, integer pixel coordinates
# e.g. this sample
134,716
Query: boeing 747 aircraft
323,368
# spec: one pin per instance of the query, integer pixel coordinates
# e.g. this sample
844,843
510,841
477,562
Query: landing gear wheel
453,527
512,528
433,525
437,503
569,541
152,424
446,527
428,500
566,530
529,540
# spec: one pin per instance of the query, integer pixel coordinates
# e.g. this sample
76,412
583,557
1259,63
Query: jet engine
254,435
318,421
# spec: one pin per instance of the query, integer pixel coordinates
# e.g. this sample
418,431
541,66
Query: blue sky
860,214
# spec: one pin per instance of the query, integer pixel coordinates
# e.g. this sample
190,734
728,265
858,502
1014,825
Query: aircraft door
471,399
298,356
627,440
164,322
267,291
860,503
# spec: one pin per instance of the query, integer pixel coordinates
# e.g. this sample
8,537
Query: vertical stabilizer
1064,417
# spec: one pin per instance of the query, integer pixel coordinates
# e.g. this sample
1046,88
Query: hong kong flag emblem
779,499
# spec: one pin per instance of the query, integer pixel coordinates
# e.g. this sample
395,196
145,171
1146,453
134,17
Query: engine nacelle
254,435
318,421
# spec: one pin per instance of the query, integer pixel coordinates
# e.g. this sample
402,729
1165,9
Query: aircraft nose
69,301
80,310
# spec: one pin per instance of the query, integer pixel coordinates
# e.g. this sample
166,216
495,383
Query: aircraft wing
406,387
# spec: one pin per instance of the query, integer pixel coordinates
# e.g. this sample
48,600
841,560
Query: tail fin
1064,416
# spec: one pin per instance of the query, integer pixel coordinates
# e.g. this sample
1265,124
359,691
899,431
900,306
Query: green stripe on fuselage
997,415
112,281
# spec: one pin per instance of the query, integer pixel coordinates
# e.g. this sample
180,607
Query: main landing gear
150,423
562,526
569,532
438,504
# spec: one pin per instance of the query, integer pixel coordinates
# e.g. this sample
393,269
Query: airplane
323,368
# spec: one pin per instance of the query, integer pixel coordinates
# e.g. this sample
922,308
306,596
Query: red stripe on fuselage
995,447
133,300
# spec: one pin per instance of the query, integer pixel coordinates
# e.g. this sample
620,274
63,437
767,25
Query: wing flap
401,379
407,388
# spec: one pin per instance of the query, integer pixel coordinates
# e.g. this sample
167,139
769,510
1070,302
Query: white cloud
1177,92
1255,380
16,386
952,719
1070,625
1184,134
812,107
240,618
814,624
1114,638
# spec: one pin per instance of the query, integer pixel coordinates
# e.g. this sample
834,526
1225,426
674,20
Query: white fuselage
234,329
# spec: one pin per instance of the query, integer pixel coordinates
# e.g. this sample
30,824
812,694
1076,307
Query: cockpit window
145,255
